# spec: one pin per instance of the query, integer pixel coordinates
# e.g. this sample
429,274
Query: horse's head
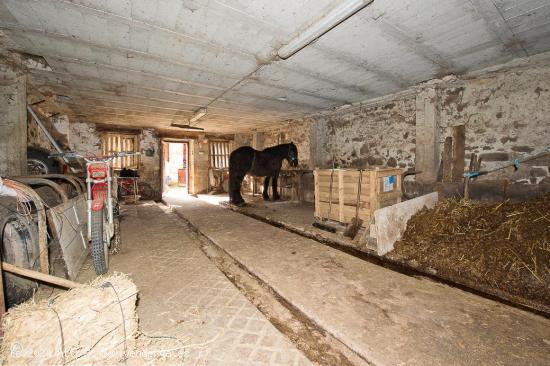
292,155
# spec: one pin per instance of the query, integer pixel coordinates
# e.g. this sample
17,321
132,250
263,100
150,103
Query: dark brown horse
266,163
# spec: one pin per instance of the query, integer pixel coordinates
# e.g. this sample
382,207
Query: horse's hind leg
265,193
235,180
274,180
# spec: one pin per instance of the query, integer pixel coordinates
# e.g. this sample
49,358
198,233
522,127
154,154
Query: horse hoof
277,198
266,198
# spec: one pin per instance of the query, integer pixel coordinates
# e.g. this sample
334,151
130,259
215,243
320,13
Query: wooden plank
353,175
316,187
399,184
68,227
473,162
348,190
344,193
459,147
341,195
7,267
373,191
447,160
349,187
348,199
348,214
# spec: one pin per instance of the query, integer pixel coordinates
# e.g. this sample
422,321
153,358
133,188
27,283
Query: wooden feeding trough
338,192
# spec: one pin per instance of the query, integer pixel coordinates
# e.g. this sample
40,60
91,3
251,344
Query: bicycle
130,186
102,207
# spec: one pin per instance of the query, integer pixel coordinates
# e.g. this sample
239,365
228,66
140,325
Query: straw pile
92,324
500,248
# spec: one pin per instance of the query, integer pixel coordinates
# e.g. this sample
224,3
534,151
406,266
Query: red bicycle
129,185
102,204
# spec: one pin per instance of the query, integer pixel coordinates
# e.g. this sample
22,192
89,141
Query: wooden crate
380,187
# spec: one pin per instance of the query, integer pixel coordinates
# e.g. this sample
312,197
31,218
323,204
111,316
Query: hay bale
92,324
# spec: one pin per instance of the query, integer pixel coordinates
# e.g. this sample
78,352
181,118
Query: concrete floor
298,216
183,294
387,318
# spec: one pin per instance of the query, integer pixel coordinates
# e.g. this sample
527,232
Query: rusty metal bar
75,181
46,182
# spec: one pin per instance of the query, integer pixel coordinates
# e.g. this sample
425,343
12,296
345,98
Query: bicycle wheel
100,250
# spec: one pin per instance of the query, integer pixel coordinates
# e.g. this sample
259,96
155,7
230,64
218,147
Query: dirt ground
504,248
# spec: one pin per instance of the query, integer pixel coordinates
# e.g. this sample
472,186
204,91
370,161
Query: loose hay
501,248
95,323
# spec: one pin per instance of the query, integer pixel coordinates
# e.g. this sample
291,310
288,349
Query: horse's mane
278,149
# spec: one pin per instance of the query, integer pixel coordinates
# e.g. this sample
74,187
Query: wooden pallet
380,187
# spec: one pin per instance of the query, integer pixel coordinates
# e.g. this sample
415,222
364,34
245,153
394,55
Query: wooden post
473,160
427,135
341,217
459,146
399,185
13,122
373,189
447,161
317,198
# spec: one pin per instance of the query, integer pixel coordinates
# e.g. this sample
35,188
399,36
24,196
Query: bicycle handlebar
72,154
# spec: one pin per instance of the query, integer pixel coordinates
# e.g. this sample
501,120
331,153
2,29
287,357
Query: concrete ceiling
153,62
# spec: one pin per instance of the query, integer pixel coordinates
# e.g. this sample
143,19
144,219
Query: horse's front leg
274,180
235,180
265,195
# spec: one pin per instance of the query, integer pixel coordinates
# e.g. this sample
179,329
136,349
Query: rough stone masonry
505,112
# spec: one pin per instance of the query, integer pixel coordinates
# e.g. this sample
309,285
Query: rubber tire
51,165
21,251
100,249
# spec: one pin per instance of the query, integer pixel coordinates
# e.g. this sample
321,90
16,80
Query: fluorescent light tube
198,115
323,25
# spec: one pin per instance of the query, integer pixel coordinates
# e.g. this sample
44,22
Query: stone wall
297,131
85,139
149,145
505,111
241,139
71,136
365,136
507,116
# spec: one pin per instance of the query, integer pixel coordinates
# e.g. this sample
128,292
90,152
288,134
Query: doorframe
189,143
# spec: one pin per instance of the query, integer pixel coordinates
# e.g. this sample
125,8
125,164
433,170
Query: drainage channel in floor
316,343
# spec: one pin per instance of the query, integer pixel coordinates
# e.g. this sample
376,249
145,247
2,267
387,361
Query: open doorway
175,168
